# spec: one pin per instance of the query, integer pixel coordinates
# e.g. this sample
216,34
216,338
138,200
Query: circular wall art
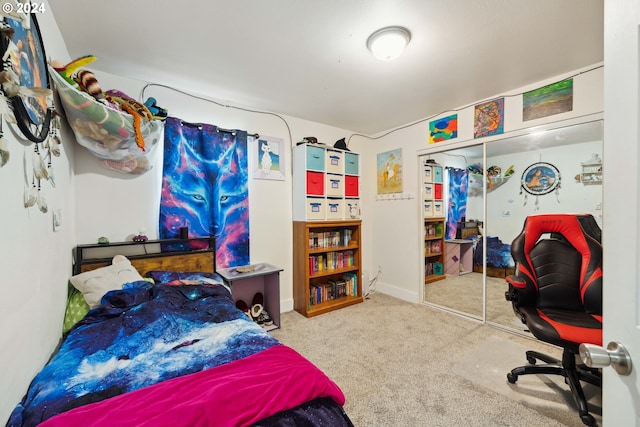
540,178
26,58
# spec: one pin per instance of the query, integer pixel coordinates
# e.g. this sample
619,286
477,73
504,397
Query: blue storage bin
315,158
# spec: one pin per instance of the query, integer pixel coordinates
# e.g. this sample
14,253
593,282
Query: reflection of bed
175,354
499,260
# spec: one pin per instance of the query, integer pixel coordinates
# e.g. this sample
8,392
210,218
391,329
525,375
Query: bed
499,260
176,352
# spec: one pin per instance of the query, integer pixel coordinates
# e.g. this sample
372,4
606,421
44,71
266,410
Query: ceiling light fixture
388,43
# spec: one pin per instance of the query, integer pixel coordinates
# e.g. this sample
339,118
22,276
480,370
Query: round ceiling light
389,42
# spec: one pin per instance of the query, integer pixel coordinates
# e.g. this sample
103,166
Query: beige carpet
403,364
464,293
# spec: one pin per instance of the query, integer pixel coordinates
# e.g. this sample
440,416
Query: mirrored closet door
450,280
553,170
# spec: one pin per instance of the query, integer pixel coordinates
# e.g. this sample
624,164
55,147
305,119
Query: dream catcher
538,179
28,101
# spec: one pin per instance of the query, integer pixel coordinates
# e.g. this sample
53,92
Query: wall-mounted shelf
591,173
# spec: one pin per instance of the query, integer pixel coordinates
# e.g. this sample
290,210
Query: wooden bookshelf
327,263
434,249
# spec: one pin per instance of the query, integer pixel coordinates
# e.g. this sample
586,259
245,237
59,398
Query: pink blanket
235,394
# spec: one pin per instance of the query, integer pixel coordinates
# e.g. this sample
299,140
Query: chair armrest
519,293
516,281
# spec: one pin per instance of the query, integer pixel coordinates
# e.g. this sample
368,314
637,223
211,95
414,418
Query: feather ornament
42,203
4,106
30,196
4,151
52,178
39,169
35,92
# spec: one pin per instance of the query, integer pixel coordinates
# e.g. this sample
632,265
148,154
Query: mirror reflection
456,287
552,171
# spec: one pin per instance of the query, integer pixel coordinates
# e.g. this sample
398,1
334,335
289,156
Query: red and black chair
557,292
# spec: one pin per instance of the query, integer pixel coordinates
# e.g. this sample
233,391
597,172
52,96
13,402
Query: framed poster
489,118
389,172
443,129
552,99
268,156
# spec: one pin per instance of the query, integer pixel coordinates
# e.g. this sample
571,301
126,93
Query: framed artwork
489,118
25,56
443,129
268,158
389,172
540,178
546,101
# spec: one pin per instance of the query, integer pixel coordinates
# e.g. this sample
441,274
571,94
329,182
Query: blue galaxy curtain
205,188
458,182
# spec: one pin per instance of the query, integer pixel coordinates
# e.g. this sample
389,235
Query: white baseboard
397,292
286,305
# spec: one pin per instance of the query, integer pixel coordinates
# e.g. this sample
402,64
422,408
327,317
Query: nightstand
264,278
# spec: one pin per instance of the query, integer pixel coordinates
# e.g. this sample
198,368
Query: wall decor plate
540,178
26,58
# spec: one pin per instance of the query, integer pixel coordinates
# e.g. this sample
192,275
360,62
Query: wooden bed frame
148,256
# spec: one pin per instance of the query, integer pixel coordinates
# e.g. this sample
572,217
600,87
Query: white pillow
95,283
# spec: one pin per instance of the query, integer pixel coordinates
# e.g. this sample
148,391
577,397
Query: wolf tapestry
205,188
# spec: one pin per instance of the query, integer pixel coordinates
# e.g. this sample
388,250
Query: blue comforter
140,335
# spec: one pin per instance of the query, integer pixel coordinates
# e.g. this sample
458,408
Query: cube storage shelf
326,183
434,249
327,263
434,225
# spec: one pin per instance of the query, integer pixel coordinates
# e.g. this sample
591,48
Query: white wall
393,224
36,261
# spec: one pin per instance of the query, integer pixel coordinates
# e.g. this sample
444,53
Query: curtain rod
231,131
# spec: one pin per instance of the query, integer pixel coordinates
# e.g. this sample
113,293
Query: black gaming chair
557,292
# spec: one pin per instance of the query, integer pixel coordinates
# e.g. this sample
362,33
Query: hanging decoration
27,101
121,132
205,189
539,179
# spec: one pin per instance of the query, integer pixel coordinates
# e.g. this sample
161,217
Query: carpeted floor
464,293
403,364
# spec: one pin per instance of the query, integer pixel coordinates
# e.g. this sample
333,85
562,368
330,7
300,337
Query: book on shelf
331,261
330,239
334,288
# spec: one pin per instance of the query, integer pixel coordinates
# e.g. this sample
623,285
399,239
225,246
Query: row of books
331,261
433,268
433,229
334,289
329,239
433,247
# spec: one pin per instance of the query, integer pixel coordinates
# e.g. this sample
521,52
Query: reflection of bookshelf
433,249
326,266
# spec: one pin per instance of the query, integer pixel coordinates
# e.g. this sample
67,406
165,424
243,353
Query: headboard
192,254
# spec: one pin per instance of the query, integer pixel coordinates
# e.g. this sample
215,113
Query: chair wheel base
588,419
512,378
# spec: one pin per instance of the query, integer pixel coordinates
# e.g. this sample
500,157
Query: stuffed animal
67,71
157,112
89,83
133,107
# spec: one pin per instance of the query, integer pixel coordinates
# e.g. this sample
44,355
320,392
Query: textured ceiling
308,59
